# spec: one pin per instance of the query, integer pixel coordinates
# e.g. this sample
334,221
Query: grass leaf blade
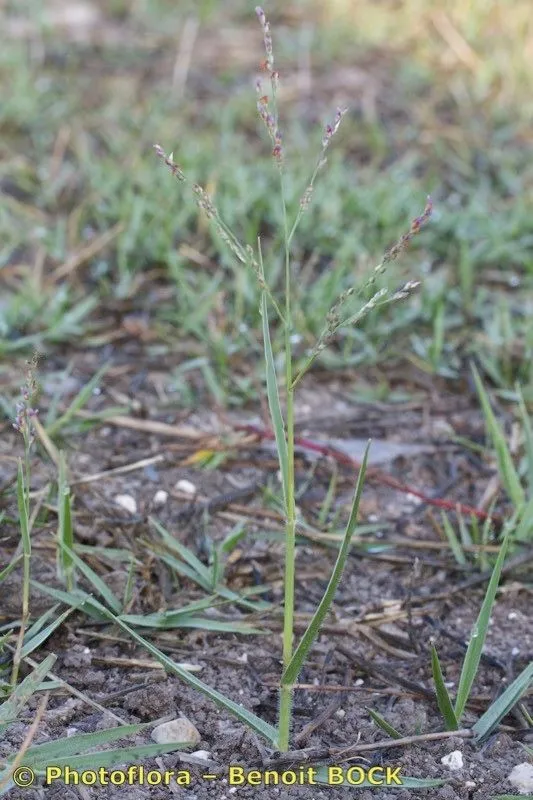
443,698
293,668
273,399
503,704
477,639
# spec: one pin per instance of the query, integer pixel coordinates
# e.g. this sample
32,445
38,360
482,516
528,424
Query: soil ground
392,603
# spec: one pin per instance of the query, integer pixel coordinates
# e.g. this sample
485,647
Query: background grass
439,103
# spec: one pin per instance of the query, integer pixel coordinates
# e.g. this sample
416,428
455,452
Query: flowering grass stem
283,416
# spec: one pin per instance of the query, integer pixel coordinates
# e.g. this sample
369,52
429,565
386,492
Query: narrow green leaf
76,599
254,722
32,643
100,587
165,621
513,797
273,399
295,664
72,745
443,698
39,623
181,568
10,567
524,527
24,521
528,436
65,533
79,401
203,572
479,633
383,724
26,689
107,758
506,467
453,541
503,704
155,619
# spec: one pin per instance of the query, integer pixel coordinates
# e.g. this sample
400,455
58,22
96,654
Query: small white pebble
470,784
243,658
204,755
515,651
521,777
160,497
416,501
340,713
185,486
176,730
359,682
453,760
512,615
127,502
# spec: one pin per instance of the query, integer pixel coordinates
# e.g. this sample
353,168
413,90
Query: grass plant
341,314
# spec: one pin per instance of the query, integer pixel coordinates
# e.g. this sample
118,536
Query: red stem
374,474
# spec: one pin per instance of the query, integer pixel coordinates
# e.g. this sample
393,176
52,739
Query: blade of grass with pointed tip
72,745
503,704
65,533
203,572
477,638
273,399
181,568
10,567
524,527
24,521
76,599
295,664
79,401
383,724
100,587
35,641
107,758
443,698
249,718
513,797
34,629
165,621
528,437
453,541
506,467
22,693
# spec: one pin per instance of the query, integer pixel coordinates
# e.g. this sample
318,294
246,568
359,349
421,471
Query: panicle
25,413
171,164
332,128
267,38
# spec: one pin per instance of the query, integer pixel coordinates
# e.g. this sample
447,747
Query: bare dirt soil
401,591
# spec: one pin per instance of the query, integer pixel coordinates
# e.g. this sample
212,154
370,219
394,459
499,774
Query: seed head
267,38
